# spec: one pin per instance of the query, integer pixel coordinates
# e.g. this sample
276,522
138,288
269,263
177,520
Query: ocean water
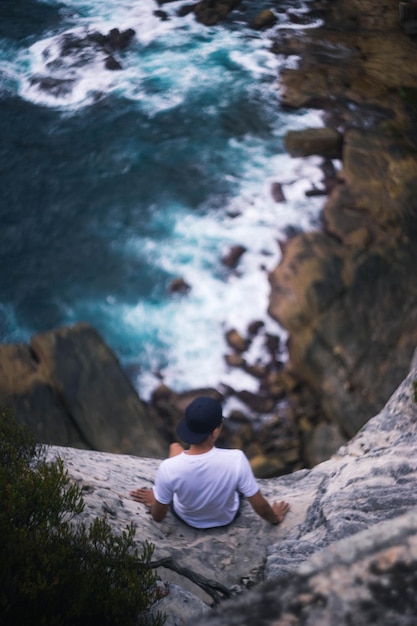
114,183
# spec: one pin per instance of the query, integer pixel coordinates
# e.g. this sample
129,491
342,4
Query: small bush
54,570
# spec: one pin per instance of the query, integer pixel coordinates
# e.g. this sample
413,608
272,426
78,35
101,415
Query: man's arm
273,514
146,496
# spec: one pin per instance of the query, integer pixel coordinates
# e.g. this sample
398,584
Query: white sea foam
181,339
194,325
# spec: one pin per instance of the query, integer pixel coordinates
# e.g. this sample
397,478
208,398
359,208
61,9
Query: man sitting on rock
203,485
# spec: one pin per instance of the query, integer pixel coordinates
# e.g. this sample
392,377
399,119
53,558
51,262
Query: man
203,485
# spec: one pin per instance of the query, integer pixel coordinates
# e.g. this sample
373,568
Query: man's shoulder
231,452
171,461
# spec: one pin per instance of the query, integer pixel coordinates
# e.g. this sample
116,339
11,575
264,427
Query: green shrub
55,570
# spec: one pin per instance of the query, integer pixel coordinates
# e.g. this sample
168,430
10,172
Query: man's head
202,417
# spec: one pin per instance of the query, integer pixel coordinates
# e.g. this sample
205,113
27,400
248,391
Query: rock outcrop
347,294
70,389
347,548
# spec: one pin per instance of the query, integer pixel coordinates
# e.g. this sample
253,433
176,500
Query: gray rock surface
369,481
369,578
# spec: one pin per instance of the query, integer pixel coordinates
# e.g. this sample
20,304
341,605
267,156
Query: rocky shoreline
346,294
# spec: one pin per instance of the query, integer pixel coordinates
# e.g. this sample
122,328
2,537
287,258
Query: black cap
202,416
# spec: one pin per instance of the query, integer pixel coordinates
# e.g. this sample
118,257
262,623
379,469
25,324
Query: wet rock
257,370
264,19
232,258
254,327
179,285
57,87
185,10
210,12
325,142
235,360
163,15
112,64
119,40
236,341
277,192
79,50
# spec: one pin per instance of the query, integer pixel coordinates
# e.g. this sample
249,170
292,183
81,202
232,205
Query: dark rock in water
277,192
112,64
119,40
70,389
179,285
231,259
58,87
255,327
326,142
79,50
210,12
264,19
235,360
185,10
163,15
115,40
236,341
314,191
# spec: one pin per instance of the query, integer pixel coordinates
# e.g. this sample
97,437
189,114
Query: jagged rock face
368,579
352,556
342,543
71,390
348,294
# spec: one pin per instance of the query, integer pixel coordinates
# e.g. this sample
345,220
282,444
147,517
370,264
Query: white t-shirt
205,488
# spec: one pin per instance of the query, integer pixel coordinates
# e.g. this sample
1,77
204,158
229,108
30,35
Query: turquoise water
113,183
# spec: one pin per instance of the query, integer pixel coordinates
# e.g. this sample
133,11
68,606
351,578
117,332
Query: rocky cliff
70,389
347,293
346,553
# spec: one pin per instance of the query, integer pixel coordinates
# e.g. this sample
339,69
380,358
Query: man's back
205,488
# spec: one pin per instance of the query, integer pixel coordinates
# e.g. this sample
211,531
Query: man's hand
273,514
280,509
143,495
146,496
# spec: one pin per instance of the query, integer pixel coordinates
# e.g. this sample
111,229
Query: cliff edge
359,496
